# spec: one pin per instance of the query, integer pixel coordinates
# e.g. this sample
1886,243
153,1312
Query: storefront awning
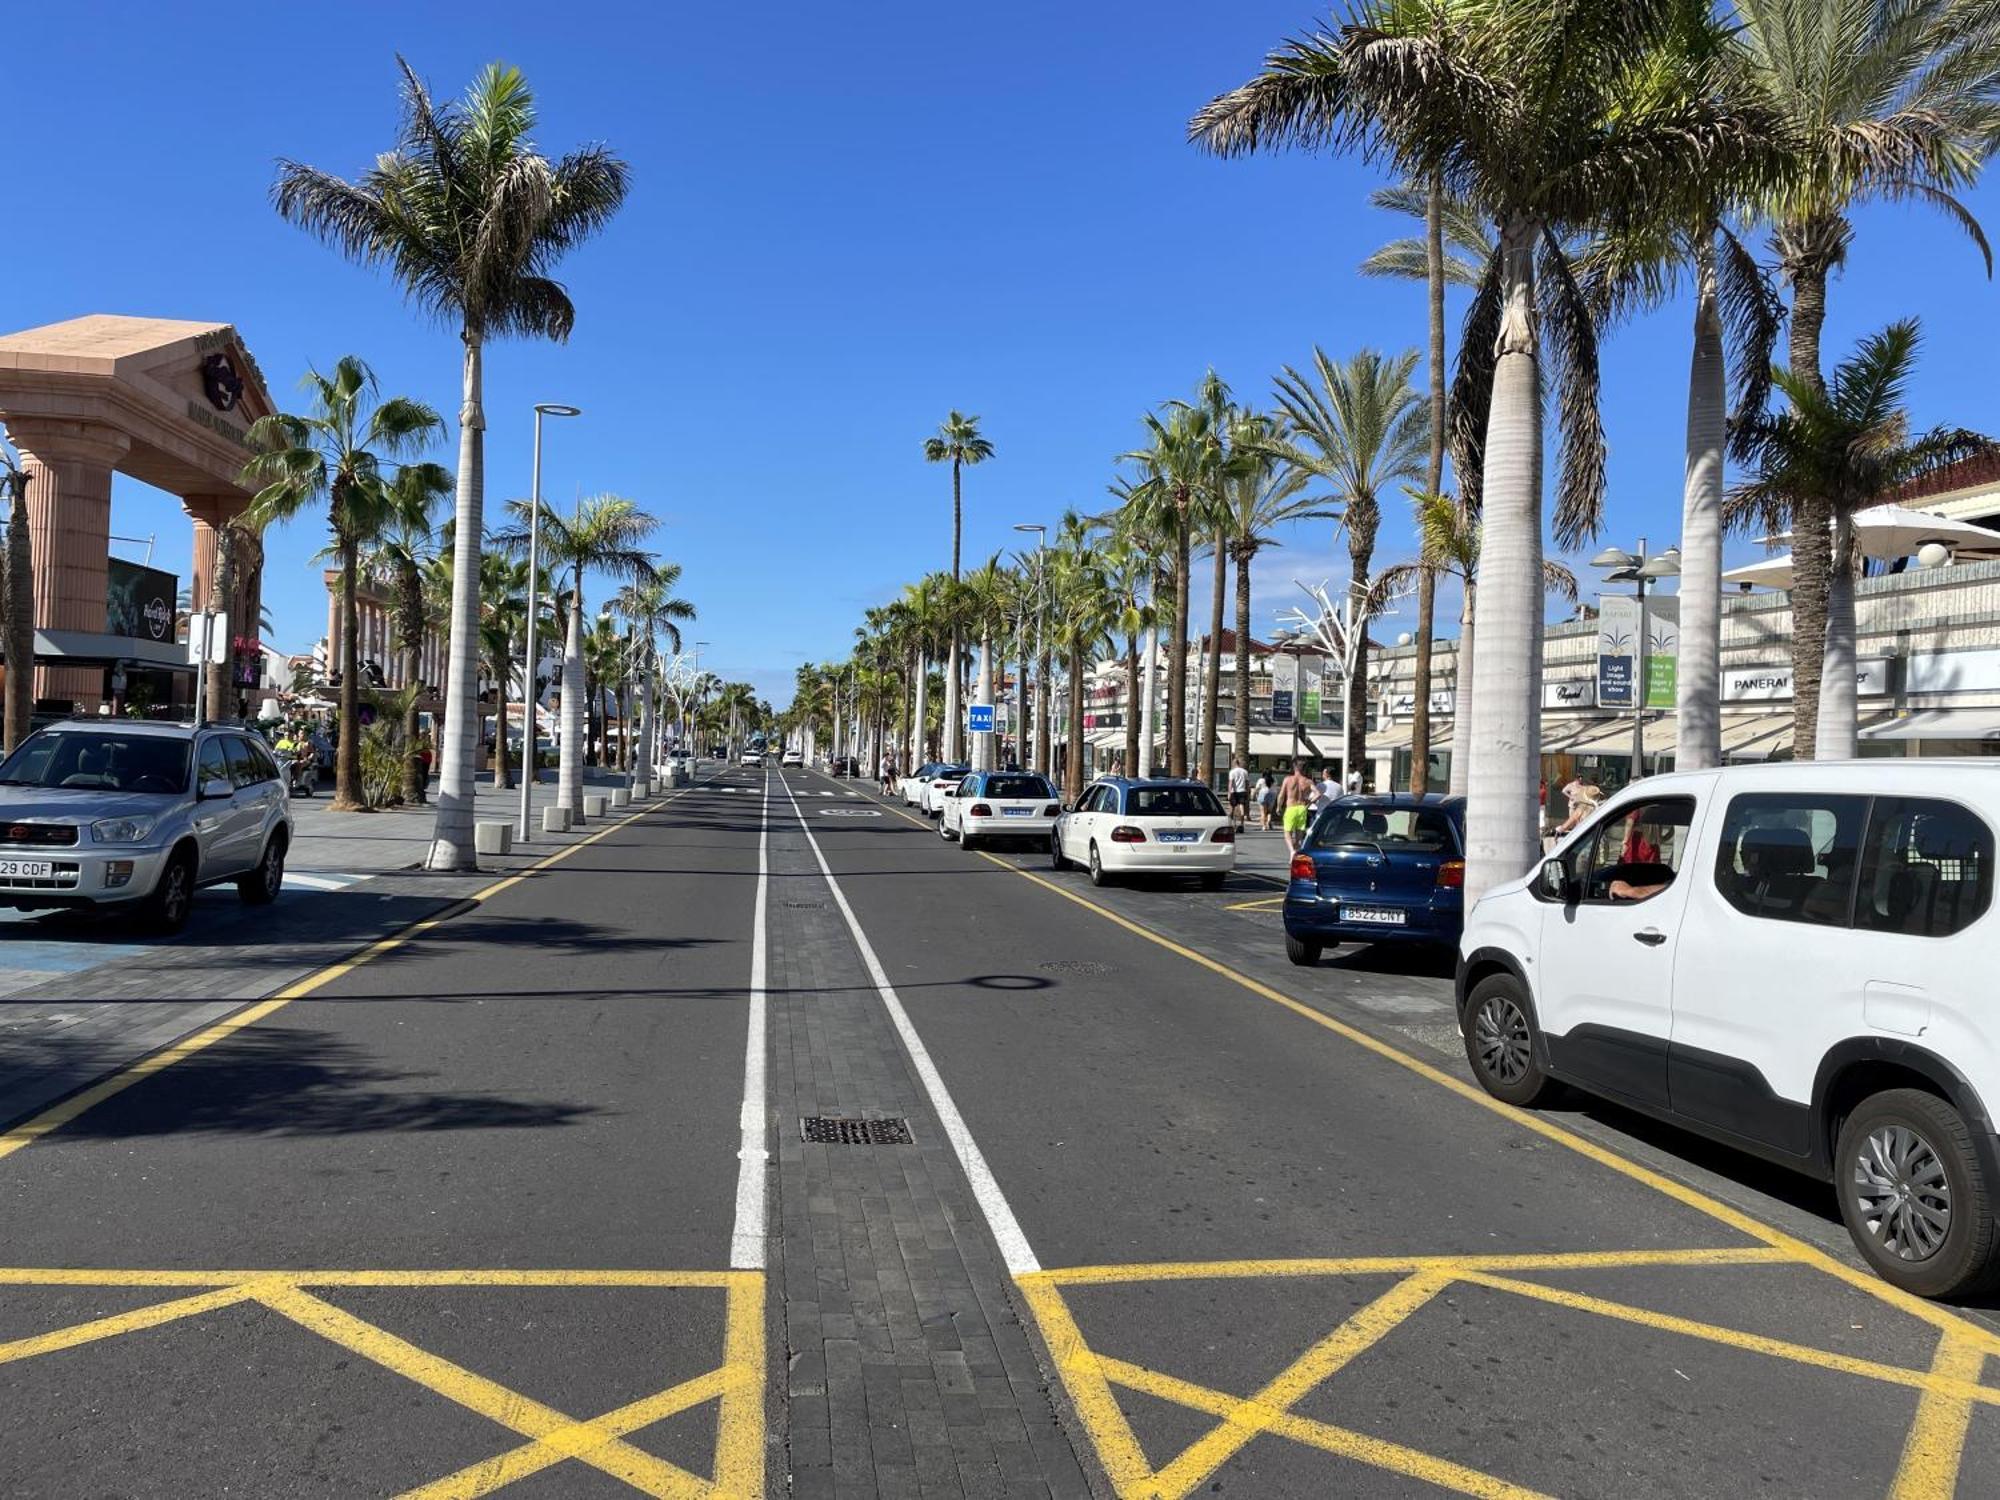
1614,737
1758,737
1939,724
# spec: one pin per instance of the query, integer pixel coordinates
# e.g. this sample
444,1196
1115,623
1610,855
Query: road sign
981,718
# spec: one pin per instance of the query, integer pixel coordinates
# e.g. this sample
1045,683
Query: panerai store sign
1770,684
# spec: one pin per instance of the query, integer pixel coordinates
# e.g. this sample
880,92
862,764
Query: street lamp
528,752
1640,571
1034,756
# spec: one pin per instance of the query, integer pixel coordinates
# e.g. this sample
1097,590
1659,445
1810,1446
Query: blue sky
844,221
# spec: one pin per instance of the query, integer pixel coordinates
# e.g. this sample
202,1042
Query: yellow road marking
1928,1469
151,1316
1379,1265
63,1111
1262,903
86,1276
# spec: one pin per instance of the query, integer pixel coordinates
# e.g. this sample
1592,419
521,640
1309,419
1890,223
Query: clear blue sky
844,221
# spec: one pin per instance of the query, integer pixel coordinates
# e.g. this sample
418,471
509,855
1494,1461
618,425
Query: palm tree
472,220
1213,398
603,535
652,610
1360,428
1888,101
20,597
1083,611
403,549
1263,497
335,457
503,624
1839,449
1544,116
1452,222
1128,574
960,444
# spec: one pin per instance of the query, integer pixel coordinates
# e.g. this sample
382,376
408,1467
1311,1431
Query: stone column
204,563
69,466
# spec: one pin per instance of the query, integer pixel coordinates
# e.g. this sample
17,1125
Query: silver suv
104,812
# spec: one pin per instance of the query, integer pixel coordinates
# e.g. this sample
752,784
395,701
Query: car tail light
1125,833
1223,835
1303,867
1452,873
1053,810
979,810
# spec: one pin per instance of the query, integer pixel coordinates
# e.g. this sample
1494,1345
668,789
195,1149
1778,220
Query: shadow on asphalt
1393,958
558,934
294,1082
1002,983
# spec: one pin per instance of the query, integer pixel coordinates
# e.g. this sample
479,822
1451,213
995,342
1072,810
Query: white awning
1939,724
1615,738
1756,738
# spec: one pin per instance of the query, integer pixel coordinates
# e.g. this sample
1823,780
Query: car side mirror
214,788
1554,882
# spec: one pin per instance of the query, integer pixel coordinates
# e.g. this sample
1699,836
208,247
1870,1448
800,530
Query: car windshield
1425,830
1016,786
99,760
1172,802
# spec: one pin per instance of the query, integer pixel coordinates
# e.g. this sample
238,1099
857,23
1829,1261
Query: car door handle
1652,937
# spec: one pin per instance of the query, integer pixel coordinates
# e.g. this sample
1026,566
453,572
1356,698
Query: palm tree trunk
1132,704
1420,718
1812,536
502,779
20,690
347,755
1698,681
1502,816
451,835
921,732
1043,760
1461,707
1243,655
222,595
1211,682
1177,655
569,755
1836,731
1073,760
1364,517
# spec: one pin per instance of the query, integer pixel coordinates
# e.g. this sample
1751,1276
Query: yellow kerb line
1928,1469
1382,1265
63,1111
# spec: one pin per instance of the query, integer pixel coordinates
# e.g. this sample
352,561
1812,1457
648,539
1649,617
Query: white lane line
1014,1249
746,1240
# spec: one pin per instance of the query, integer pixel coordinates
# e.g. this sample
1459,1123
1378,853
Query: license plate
1017,812
1373,914
26,869
1178,838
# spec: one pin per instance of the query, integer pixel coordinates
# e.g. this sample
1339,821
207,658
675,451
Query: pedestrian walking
1329,783
1239,792
888,769
1295,800
1267,802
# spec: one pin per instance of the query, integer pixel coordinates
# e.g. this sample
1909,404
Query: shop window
1790,857
1927,870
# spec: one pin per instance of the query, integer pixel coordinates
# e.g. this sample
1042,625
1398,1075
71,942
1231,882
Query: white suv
1794,959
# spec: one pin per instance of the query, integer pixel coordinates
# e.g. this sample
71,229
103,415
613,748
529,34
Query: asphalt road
525,1204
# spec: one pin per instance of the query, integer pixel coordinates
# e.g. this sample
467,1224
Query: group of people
1288,804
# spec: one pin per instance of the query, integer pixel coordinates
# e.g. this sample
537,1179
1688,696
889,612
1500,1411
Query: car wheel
1501,1044
1914,1197
173,898
1212,882
1056,860
1098,874
943,832
261,886
964,840
1301,952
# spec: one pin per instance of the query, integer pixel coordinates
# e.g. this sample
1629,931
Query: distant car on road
751,757
1121,826
793,758
97,813
991,805
943,781
1387,869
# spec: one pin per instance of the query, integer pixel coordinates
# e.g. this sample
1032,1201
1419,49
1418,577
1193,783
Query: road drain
1078,966
850,1130
806,905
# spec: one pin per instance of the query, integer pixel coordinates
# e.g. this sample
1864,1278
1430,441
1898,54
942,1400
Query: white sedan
793,758
999,805
912,785
944,779
1154,827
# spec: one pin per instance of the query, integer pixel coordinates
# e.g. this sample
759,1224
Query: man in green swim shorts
1295,799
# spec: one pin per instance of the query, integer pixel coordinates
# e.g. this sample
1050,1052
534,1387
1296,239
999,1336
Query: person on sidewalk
1239,792
1295,800
1267,802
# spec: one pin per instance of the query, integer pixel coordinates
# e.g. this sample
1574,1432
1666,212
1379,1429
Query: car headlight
121,830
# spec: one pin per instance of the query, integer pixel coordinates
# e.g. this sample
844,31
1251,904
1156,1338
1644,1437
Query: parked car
912,785
1159,826
1387,869
990,805
1795,959
942,781
750,757
843,765
97,813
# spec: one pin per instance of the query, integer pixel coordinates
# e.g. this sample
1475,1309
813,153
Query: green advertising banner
1312,677
1661,681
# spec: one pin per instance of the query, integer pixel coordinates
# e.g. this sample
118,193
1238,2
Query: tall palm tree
652,610
1358,428
503,626
1882,100
1543,115
959,443
403,549
1128,574
603,536
339,456
988,596
1266,495
472,221
236,538
1455,250
1083,612
1838,449
1212,397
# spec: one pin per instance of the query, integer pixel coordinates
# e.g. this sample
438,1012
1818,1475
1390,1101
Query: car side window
1790,856
214,765
1635,853
242,769
267,768
1926,868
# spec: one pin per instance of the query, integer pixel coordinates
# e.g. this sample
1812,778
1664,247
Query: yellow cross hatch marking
554,1437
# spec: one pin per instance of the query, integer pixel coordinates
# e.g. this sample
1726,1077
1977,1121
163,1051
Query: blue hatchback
1385,869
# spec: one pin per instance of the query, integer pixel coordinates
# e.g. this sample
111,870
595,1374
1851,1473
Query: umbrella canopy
1770,573
1891,531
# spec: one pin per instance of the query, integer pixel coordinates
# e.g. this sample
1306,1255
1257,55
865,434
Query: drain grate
1077,966
850,1130
806,905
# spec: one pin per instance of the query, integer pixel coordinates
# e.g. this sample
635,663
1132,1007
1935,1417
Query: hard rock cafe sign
220,382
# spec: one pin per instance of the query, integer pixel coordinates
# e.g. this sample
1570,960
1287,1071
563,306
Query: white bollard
555,820
493,838
593,805
621,797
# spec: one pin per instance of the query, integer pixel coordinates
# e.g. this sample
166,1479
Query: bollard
621,797
493,838
593,805
642,787
555,820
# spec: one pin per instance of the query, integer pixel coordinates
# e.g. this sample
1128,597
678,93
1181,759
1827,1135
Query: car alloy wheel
1097,875
261,886
1915,1195
173,898
1056,860
1498,1024
1901,1192
1500,1031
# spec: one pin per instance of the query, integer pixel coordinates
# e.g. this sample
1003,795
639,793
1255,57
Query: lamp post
1035,756
1640,571
528,753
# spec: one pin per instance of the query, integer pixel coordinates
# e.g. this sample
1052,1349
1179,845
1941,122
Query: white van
1795,959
